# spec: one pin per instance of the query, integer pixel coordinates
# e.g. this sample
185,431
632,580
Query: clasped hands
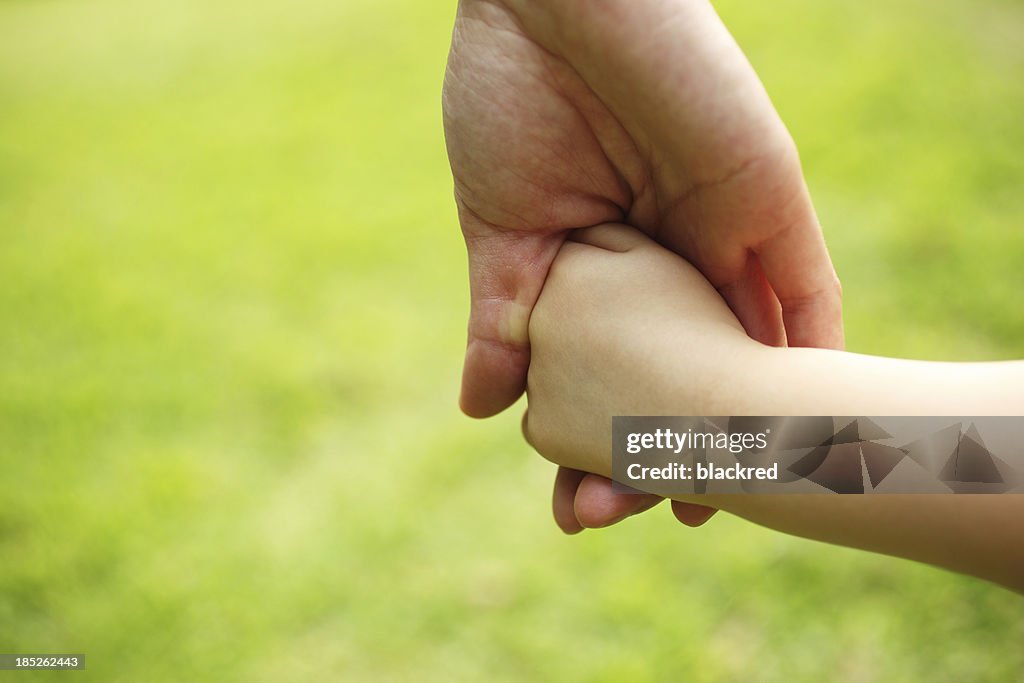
634,210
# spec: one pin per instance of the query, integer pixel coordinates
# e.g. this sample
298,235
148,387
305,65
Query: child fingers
598,505
692,514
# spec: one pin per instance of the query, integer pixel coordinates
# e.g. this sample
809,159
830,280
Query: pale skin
597,354
565,114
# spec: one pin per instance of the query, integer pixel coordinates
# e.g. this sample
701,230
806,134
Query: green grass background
232,300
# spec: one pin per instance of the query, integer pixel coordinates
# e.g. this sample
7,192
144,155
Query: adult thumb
507,270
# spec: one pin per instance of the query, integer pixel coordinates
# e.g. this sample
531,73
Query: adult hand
570,113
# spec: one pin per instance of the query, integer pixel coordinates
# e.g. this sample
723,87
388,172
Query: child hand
624,327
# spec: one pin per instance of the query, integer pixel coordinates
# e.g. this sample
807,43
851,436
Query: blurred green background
231,316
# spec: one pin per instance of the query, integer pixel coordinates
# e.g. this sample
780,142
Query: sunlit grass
231,314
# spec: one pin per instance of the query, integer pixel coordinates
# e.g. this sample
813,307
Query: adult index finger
799,269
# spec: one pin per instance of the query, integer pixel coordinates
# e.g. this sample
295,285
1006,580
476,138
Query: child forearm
624,327
821,382
981,535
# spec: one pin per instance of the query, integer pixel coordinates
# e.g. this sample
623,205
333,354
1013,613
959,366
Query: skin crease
571,113
596,354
